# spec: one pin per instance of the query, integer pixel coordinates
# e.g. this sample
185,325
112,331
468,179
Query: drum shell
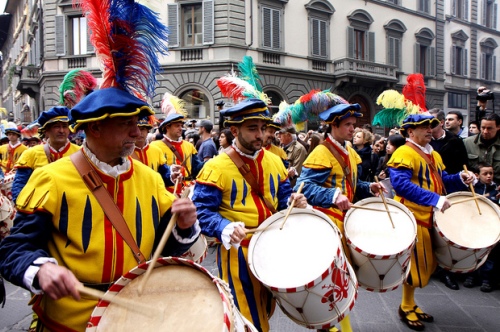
381,272
7,215
326,298
198,251
457,257
6,188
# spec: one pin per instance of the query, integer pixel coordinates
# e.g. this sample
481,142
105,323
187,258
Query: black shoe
448,280
470,282
486,287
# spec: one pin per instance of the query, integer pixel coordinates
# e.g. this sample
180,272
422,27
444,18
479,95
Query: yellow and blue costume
222,196
154,157
10,154
279,152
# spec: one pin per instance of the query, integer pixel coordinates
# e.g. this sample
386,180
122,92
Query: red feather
415,89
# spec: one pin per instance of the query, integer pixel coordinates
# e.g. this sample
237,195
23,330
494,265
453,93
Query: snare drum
380,253
463,238
190,298
7,214
6,187
198,250
305,268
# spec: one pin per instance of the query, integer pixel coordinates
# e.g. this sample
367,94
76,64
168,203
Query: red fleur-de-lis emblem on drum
339,289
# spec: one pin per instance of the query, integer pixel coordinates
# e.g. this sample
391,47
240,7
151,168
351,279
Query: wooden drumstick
127,304
175,187
381,194
473,192
466,199
253,230
369,208
291,206
160,247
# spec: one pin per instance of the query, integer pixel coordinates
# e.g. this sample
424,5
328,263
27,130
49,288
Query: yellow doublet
10,156
83,239
239,203
187,148
277,151
405,157
151,156
35,157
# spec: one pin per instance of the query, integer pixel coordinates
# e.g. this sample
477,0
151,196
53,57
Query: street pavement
464,310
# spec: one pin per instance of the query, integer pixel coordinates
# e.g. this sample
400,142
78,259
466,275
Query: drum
380,253
6,187
463,238
198,250
190,298
7,214
305,268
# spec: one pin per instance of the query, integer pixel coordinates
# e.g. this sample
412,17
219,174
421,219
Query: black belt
102,287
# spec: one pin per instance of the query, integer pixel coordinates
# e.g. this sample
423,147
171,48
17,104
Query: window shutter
397,52
431,61
322,36
60,35
483,66
173,25
454,7
417,57
453,59
315,37
494,66
371,47
90,47
276,29
465,62
266,27
390,51
495,16
466,10
350,42
208,22
483,18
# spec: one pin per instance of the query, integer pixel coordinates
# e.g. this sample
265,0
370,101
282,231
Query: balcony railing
272,58
192,54
28,82
349,66
319,65
77,62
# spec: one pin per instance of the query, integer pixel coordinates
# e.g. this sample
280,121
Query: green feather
389,117
68,83
248,72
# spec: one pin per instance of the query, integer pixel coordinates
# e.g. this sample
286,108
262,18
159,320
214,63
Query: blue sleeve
401,182
173,247
453,183
284,192
313,190
196,166
207,200
27,241
20,179
2,176
164,171
363,189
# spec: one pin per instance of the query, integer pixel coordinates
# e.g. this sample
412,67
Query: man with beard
55,128
231,199
269,139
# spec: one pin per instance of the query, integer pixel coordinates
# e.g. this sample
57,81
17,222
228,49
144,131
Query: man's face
421,134
488,129
473,129
250,135
13,138
57,133
141,140
286,138
345,130
437,131
486,175
269,135
174,130
118,135
452,122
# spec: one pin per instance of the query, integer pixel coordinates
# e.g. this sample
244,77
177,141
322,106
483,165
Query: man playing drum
54,126
228,203
419,180
10,152
330,172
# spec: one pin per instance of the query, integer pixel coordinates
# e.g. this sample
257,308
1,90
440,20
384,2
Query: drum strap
95,185
428,162
341,161
247,174
46,149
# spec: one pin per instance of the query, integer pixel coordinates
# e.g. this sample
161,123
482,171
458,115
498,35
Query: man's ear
234,130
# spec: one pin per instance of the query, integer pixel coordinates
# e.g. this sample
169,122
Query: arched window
394,31
360,41
197,103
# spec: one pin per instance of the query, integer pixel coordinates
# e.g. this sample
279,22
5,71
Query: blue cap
104,103
415,120
171,118
252,108
275,125
340,112
55,114
12,130
145,122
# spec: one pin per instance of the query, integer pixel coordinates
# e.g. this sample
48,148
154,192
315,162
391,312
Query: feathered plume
30,130
76,84
249,73
127,37
171,104
284,115
414,90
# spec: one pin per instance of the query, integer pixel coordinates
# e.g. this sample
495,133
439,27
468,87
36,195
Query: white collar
337,143
113,171
61,149
427,149
15,145
171,140
244,154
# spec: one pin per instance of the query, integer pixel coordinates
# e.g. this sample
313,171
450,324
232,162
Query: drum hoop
454,244
318,279
227,300
391,256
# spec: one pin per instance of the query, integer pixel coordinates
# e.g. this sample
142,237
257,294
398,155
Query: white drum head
462,224
299,253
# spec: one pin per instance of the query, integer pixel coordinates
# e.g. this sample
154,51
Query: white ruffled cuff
197,231
32,270
440,203
226,235
335,195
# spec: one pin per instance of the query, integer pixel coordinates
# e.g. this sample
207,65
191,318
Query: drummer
10,152
419,179
227,205
330,187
